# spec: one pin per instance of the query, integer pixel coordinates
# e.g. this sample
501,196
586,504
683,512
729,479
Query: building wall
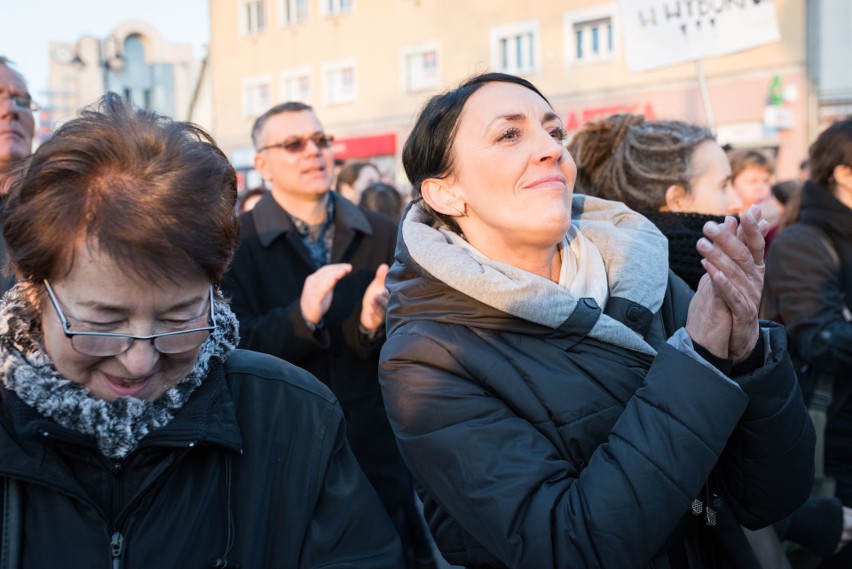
81,71
375,33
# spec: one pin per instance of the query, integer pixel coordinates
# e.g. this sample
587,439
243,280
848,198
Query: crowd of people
560,352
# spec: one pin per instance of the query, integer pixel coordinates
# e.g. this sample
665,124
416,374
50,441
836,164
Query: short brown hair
742,158
832,148
154,194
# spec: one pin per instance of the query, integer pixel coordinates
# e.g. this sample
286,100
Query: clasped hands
318,291
723,314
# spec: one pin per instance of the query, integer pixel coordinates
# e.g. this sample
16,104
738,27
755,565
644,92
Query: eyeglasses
104,344
22,101
296,144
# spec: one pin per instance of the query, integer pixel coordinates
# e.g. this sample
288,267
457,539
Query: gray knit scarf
117,425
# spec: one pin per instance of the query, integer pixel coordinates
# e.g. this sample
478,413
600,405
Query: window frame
414,50
339,65
254,82
516,30
296,73
283,21
244,18
574,18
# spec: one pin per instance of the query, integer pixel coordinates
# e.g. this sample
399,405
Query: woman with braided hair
672,172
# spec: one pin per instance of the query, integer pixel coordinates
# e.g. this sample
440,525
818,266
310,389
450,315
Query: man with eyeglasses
307,285
17,128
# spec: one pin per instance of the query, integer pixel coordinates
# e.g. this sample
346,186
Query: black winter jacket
254,468
543,448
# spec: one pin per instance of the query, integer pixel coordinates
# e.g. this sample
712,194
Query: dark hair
634,161
428,152
742,158
288,107
832,148
784,190
382,198
350,172
155,195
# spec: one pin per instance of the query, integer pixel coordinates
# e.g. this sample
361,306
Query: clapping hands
723,314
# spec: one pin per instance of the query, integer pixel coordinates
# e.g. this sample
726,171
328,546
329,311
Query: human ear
842,175
675,198
441,197
260,166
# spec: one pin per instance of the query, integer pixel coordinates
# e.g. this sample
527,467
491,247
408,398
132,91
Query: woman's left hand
733,257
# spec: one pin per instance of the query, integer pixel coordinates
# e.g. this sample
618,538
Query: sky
27,28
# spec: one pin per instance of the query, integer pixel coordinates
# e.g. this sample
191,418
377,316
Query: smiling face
711,190
17,126
511,173
306,174
98,295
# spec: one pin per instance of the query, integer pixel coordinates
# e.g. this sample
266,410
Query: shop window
420,68
515,48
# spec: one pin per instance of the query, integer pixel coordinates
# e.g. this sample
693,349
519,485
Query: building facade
368,66
134,61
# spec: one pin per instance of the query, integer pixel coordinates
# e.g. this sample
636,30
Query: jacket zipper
116,546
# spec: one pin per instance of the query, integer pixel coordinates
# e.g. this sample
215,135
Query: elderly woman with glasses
132,433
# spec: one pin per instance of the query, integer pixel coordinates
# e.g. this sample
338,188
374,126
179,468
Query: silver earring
461,213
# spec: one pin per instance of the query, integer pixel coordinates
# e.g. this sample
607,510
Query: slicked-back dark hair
832,148
157,196
628,159
428,151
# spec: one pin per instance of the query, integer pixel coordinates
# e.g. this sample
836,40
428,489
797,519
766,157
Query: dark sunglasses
297,144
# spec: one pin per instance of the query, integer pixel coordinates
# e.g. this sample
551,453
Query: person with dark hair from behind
17,129
382,198
353,177
308,285
134,434
561,398
672,172
809,290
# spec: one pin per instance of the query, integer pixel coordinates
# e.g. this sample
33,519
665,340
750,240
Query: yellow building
367,66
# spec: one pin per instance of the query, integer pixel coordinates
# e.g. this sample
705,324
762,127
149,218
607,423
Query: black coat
541,448
809,290
259,446
265,284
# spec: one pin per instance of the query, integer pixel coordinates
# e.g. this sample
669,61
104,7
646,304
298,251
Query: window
296,85
334,7
420,68
292,12
515,48
257,95
591,35
252,16
340,82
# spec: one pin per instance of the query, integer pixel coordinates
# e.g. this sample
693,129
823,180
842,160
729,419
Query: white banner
658,33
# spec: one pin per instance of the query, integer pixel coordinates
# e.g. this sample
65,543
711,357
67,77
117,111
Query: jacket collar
208,417
272,221
821,208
